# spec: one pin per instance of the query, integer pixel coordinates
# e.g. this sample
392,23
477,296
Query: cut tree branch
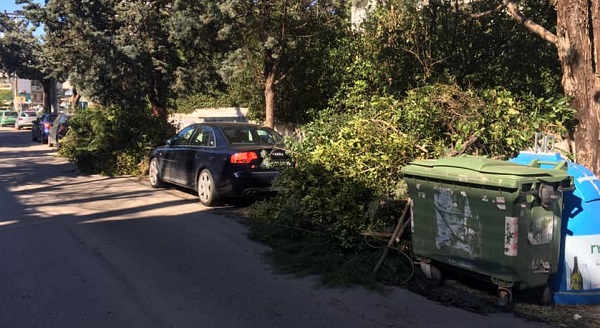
512,8
489,12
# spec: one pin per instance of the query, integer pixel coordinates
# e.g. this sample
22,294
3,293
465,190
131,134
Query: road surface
94,251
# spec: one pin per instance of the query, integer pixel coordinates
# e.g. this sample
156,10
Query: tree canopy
286,60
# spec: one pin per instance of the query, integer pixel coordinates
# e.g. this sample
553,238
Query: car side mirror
169,142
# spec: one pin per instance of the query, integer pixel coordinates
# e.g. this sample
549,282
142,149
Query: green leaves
113,141
348,163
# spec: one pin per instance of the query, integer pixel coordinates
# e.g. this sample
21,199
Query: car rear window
248,135
29,114
10,114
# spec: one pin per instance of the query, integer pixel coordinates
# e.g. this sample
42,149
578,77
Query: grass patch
318,256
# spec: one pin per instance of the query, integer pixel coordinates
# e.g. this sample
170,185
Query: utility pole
16,99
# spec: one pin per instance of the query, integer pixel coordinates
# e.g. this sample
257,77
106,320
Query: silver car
25,119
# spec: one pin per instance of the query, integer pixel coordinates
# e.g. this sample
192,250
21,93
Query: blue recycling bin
577,280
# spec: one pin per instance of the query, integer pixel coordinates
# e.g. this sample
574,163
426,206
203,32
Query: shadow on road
49,187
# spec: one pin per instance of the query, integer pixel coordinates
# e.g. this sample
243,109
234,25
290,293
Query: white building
26,93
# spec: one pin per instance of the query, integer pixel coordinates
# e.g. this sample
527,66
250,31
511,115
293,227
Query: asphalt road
94,251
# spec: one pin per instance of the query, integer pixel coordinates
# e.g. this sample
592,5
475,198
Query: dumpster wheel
547,297
505,300
433,275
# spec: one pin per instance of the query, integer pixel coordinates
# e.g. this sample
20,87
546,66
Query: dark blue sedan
220,160
41,127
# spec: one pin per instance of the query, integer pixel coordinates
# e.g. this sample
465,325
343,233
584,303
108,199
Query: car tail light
47,125
243,158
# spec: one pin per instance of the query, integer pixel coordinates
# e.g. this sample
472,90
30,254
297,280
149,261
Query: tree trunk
54,96
74,100
270,100
578,31
158,102
159,111
47,84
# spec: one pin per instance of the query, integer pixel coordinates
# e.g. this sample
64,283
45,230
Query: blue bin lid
587,185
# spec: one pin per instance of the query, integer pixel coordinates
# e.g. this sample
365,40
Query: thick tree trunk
578,31
158,101
74,100
47,84
50,96
160,111
270,100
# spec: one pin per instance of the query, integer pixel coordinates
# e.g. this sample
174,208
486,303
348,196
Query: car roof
229,124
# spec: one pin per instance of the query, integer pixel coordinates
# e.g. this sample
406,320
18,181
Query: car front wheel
206,188
154,174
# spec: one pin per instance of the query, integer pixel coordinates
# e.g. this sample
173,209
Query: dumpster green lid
482,170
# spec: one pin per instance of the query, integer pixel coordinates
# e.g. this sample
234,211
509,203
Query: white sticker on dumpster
511,235
457,226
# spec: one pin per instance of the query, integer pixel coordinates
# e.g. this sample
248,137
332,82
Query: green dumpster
498,220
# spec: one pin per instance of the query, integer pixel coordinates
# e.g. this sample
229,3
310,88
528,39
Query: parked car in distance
8,117
219,159
58,130
41,127
25,119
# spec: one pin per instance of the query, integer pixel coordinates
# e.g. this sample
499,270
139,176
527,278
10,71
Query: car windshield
249,135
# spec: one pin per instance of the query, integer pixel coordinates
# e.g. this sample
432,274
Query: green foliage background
413,81
347,178
113,141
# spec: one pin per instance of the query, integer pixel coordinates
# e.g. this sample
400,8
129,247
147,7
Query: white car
25,119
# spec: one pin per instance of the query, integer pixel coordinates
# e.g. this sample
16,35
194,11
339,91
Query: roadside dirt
479,297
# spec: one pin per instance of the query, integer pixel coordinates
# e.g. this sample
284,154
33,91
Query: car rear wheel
154,174
206,188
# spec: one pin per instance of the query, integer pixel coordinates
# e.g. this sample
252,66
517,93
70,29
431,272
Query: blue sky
10,6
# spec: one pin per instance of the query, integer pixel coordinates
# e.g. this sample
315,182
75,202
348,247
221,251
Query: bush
113,141
347,178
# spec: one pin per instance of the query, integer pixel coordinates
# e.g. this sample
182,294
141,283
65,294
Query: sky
10,6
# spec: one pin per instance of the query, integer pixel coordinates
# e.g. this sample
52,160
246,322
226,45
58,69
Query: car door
172,154
197,154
